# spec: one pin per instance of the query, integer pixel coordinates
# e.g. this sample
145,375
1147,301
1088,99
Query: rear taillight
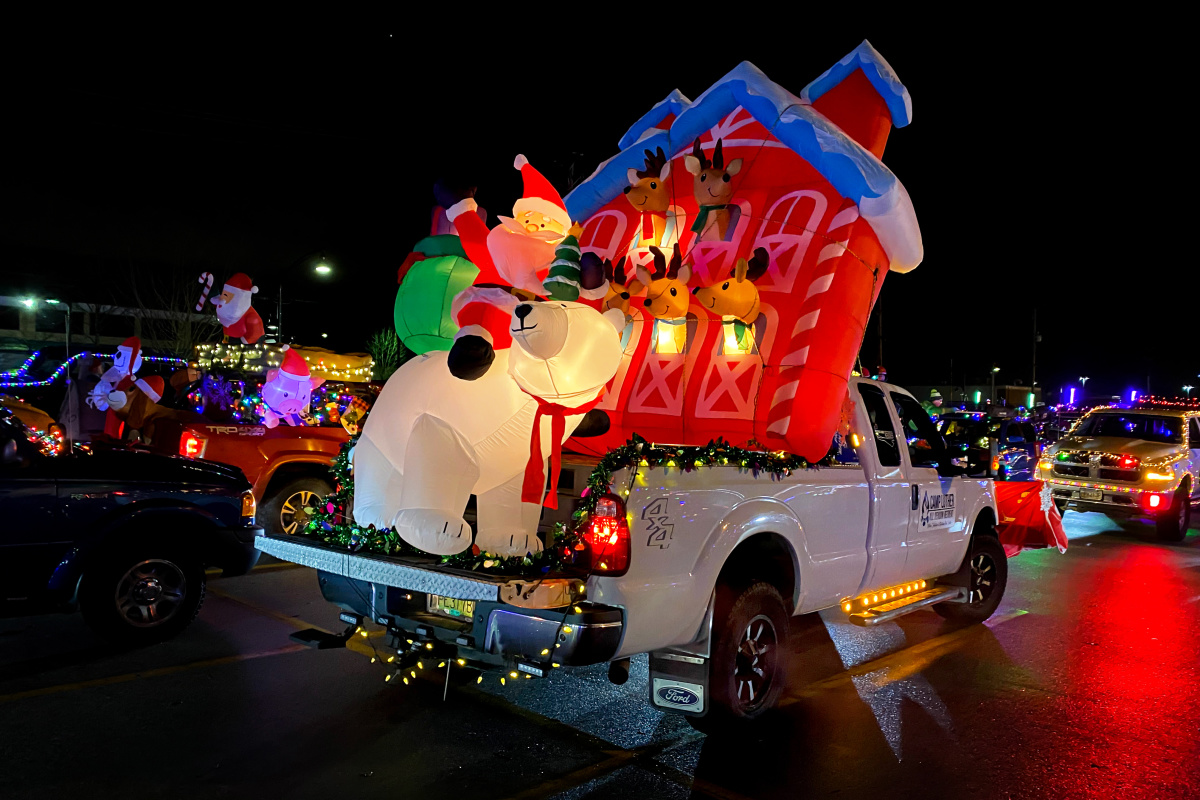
191,445
607,537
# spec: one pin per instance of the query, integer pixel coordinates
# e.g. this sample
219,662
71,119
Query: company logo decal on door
937,510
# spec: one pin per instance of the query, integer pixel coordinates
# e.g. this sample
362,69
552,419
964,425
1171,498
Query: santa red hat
152,387
134,345
539,195
240,283
293,365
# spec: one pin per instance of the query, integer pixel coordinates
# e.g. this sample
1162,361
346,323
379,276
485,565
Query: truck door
935,521
890,493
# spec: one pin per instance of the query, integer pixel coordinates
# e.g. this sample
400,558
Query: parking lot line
153,673
295,622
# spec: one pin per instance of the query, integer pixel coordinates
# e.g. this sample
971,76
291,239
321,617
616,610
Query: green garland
330,523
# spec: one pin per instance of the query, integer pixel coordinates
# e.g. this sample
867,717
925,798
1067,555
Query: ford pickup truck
704,569
1130,462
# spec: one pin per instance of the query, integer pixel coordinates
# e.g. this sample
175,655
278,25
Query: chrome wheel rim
754,666
292,517
983,577
150,593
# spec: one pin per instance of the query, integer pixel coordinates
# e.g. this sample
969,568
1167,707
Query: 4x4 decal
658,527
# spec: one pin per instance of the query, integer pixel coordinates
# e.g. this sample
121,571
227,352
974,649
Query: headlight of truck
248,507
1161,474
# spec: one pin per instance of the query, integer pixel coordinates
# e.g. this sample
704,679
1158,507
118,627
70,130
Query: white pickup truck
706,569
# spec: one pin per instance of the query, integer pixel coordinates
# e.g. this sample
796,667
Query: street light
1188,389
992,399
28,302
323,268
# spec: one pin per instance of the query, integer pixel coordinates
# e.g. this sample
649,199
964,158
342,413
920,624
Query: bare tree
166,301
387,350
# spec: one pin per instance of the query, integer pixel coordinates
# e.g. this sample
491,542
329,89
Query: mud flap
679,683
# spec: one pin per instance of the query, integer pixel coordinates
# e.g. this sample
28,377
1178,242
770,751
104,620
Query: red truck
287,466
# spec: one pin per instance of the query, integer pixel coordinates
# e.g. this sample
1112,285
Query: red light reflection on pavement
1131,678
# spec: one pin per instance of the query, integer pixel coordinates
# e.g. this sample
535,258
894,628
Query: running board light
887,595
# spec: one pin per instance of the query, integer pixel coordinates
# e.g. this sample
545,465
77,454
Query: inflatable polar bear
432,440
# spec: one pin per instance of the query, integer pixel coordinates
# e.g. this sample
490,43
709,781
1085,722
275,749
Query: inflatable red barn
808,188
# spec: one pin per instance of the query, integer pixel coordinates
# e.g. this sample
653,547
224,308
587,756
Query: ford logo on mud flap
678,696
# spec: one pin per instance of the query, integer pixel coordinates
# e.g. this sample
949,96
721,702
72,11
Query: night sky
227,155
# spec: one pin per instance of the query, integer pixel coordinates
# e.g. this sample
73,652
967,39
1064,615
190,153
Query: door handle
915,495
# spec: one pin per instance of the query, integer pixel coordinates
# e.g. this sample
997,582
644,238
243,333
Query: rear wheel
987,575
142,593
286,510
747,669
1173,525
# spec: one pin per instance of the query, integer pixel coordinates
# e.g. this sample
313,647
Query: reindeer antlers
718,159
615,274
758,263
654,164
661,268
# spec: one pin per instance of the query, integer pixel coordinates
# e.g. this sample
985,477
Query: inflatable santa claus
288,390
533,253
239,320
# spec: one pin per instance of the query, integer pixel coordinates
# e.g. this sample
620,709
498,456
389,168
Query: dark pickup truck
122,536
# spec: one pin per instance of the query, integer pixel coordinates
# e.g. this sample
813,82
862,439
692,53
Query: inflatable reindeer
713,190
736,301
667,299
647,192
621,290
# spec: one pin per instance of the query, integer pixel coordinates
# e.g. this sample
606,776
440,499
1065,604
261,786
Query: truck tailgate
404,572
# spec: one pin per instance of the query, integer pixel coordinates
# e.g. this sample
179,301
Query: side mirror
9,453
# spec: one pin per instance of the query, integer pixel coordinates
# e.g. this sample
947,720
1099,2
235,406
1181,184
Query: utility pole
880,305
1037,337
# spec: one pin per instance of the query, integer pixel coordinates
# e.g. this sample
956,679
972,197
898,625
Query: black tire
1173,524
1061,504
747,668
986,572
142,593
283,512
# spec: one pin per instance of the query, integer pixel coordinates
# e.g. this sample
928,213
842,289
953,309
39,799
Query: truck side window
926,448
885,435
1194,434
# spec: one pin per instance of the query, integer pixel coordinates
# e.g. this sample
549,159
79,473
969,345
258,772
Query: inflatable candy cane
206,278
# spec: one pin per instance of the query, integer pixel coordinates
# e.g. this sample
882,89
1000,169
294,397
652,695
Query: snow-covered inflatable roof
848,166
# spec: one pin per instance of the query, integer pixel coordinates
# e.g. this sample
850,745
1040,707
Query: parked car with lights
703,569
122,536
1002,446
1134,462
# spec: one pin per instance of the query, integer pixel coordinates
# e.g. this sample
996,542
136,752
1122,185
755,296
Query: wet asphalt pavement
1086,683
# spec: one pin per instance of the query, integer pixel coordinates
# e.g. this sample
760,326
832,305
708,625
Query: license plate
450,606
1091,494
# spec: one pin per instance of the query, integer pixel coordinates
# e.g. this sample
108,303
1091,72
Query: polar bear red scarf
535,479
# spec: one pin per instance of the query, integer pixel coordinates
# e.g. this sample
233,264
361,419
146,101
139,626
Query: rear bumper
496,634
394,593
